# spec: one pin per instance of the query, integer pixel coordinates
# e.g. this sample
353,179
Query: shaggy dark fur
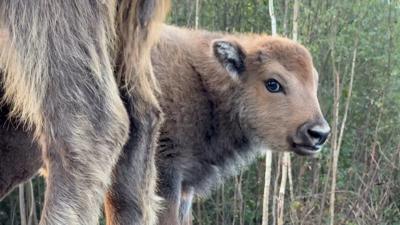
19,153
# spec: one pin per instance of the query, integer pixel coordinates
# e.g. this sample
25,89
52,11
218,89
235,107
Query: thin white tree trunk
281,196
22,206
334,140
347,104
334,149
199,215
285,19
338,140
335,115
296,7
241,203
32,219
293,213
275,193
196,21
286,165
235,200
272,15
267,185
287,157
268,155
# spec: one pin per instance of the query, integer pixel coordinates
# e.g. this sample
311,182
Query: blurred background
356,178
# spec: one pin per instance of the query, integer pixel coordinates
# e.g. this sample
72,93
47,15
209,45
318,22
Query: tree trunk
32,219
334,124
281,196
285,19
287,160
293,214
268,167
350,89
223,203
296,7
275,194
196,21
286,165
241,202
199,216
272,15
218,206
235,200
334,139
340,134
22,206
268,155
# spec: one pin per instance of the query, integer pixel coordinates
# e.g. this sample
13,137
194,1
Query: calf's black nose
318,136
313,133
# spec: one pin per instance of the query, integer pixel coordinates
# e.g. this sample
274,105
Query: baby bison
226,99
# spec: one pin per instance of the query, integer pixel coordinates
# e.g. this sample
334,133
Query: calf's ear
231,56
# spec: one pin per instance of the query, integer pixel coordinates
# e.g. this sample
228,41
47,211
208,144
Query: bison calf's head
274,92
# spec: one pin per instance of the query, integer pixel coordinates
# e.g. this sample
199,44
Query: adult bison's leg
59,78
132,199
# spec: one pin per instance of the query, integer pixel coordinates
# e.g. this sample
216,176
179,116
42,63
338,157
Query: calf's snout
317,133
310,137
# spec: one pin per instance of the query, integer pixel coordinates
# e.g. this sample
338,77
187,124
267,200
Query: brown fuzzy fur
57,58
219,115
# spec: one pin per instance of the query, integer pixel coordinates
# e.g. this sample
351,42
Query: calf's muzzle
310,137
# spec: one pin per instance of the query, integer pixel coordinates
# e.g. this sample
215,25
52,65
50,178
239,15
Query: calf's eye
273,86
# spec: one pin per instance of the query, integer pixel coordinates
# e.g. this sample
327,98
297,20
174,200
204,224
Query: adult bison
58,62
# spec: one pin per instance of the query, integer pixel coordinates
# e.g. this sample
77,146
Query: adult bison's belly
20,156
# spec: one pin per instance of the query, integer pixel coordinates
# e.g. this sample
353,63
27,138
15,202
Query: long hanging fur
138,25
58,59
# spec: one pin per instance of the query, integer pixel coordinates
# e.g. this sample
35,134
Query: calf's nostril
318,136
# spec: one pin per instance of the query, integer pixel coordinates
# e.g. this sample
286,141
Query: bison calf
226,99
